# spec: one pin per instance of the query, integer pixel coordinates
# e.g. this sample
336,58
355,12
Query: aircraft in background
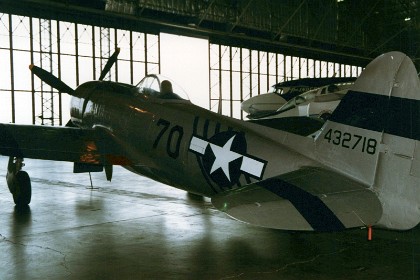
318,103
359,168
289,95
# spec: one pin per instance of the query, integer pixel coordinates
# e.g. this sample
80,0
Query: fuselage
183,145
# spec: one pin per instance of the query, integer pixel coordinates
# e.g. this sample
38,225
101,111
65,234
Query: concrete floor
134,228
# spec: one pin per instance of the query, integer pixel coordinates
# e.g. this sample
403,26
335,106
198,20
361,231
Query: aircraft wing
94,146
306,199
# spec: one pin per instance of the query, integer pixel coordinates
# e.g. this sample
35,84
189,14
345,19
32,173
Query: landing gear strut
18,182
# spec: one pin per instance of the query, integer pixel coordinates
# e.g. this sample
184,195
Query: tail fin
373,136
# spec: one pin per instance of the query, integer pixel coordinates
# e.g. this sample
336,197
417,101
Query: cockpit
160,87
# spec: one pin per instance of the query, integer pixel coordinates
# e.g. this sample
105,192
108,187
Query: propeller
50,79
109,64
59,85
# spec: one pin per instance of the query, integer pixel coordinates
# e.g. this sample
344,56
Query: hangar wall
77,52
236,74
74,52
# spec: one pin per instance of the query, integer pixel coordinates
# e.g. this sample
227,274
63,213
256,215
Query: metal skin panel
397,189
275,214
321,199
398,192
258,206
415,164
344,149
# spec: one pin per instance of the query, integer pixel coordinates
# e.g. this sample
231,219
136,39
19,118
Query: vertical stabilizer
373,136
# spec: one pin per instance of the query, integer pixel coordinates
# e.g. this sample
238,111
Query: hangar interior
252,45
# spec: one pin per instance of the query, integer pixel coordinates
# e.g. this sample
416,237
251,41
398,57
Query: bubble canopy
158,86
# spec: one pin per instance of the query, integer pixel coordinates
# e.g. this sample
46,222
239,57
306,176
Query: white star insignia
223,157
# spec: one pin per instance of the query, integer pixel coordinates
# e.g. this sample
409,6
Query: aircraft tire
22,195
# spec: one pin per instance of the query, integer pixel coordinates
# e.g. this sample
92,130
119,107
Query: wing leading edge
307,199
93,146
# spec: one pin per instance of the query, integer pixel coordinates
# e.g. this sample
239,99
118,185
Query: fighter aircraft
360,168
288,95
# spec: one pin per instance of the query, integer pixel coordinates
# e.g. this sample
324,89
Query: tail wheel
23,190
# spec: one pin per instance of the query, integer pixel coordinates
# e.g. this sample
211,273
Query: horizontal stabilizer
306,199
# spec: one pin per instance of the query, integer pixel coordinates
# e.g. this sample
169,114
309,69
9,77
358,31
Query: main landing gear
18,182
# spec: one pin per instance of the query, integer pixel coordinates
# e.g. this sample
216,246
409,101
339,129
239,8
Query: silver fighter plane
359,168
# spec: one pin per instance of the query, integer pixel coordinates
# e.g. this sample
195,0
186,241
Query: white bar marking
252,166
198,145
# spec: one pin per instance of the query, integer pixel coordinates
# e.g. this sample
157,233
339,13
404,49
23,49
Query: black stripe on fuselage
315,212
199,160
393,115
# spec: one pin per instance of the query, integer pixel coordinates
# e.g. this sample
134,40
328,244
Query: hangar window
237,74
76,53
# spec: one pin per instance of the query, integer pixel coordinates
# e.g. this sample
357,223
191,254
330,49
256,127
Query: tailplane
373,137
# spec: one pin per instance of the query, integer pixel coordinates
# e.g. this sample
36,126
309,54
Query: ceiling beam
241,15
252,39
288,20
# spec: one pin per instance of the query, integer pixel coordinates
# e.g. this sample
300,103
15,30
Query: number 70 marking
173,143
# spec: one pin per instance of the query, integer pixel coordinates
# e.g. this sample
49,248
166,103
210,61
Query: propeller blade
50,79
109,64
